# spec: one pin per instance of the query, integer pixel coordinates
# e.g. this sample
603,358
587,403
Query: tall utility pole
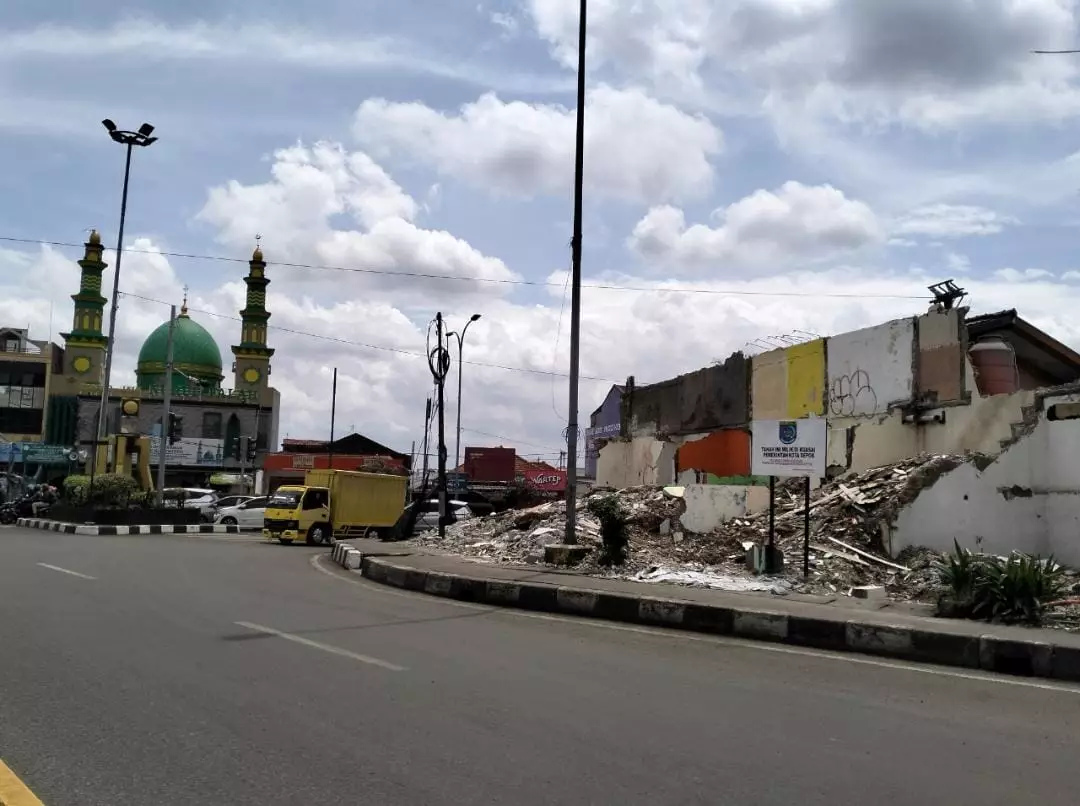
575,294
166,403
427,431
442,361
333,416
130,140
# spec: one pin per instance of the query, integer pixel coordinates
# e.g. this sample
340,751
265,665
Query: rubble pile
847,518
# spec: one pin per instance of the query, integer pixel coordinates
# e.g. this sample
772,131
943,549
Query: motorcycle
23,507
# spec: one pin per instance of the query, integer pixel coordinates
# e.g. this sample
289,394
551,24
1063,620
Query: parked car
247,514
197,498
428,517
230,501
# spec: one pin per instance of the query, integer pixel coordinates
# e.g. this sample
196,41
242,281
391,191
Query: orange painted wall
722,453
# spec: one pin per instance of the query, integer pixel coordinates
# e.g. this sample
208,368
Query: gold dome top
257,255
95,238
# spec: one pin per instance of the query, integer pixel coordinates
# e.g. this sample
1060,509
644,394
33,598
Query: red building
354,452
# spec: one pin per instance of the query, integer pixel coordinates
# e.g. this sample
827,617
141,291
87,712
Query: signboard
788,447
551,481
190,452
602,431
303,461
37,453
456,483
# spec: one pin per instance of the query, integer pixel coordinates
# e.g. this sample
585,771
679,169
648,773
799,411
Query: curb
168,529
900,642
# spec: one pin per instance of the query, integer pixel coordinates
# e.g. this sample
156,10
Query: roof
353,444
195,352
1033,347
614,388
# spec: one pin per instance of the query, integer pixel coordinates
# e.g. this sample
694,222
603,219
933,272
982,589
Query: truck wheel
316,534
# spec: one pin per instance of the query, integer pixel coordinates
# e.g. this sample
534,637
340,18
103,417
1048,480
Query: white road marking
760,646
65,571
333,650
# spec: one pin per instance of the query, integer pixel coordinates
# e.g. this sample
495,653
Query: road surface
153,671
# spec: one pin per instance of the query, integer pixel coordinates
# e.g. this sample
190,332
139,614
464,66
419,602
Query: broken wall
710,398
634,462
788,383
942,340
1028,499
720,453
871,370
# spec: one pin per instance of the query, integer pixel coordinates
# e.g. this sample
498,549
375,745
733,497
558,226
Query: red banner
552,481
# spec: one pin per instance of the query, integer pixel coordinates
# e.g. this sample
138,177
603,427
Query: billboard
546,480
190,452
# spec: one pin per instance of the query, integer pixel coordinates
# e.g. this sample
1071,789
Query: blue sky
760,148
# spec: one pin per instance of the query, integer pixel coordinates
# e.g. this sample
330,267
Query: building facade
27,368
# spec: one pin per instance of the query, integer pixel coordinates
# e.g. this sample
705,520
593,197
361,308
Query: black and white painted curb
168,529
987,652
347,556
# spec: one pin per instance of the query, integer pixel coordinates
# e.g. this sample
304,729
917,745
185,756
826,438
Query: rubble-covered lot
846,521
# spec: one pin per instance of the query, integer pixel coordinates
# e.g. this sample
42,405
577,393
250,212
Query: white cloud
636,147
297,212
1027,275
952,221
253,45
766,230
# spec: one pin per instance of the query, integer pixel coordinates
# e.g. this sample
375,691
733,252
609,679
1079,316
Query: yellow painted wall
806,379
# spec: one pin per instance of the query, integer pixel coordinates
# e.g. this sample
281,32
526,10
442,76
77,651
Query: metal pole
427,430
806,530
460,363
166,402
772,511
333,416
575,295
442,427
111,342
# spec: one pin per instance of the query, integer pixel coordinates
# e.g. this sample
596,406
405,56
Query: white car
197,498
428,518
231,501
248,514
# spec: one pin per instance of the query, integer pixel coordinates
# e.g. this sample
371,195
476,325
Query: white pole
166,403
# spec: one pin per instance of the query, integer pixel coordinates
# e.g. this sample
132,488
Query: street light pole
142,137
460,346
575,293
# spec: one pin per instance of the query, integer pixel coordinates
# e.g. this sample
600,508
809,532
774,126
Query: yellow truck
335,503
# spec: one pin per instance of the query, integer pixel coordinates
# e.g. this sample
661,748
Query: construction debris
847,520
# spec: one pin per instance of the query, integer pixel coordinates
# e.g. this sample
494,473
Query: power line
510,439
366,345
496,281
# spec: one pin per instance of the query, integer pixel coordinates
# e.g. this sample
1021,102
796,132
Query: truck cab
298,513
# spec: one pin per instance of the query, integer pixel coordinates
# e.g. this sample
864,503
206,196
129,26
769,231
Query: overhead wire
730,292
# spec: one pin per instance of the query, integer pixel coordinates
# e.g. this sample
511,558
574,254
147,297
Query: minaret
84,346
252,365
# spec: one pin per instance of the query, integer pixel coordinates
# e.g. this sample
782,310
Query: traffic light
248,446
176,428
234,448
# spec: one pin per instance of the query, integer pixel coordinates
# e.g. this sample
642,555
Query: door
251,512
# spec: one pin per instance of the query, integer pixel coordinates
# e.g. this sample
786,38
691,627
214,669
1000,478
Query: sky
753,168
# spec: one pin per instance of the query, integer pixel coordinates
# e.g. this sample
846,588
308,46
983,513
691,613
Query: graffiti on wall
870,370
853,395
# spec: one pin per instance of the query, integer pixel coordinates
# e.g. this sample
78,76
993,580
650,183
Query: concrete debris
847,519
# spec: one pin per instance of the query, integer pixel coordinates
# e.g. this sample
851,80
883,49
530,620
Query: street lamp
460,343
142,137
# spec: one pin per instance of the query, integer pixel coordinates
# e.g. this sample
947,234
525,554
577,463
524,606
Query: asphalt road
179,670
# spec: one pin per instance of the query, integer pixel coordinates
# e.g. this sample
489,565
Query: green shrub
982,586
75,489
614,536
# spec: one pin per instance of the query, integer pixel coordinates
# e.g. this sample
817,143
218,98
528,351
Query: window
211,425
314,499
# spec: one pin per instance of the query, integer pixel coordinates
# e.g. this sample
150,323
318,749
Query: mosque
213,417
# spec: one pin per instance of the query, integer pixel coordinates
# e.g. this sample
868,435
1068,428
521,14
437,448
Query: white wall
1026,500
710,505
639,461
870,369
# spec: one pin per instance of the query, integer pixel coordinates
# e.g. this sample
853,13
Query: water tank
994,362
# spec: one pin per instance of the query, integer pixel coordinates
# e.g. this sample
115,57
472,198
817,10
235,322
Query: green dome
195,354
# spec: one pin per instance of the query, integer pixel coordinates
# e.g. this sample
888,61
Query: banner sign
788,447
552,481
